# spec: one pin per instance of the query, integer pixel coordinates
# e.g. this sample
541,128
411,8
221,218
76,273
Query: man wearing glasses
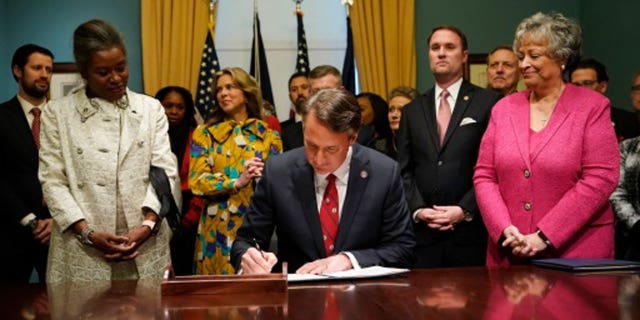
590,73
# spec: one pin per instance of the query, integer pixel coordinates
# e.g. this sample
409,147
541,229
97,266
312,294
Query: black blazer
625,123
444,176
293,135
20,191
375,223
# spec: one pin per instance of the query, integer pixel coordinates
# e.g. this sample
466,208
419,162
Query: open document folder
585,264
364,273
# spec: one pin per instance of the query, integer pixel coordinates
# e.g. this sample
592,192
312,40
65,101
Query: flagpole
213,11
255,41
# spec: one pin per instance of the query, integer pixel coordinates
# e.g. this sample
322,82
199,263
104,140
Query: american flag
302,62
208,67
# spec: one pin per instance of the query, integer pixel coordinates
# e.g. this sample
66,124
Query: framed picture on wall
65,79
476,69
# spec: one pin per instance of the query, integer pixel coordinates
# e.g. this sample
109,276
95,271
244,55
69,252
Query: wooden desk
460,293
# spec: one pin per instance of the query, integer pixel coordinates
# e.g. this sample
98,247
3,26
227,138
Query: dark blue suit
375,224
20,194
435,175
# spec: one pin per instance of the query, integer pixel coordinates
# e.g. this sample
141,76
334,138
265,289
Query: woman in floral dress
227,154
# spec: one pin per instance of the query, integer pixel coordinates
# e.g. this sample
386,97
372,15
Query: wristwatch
468,216
33,223
83,236
544,238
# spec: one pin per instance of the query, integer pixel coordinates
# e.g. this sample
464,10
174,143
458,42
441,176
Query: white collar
453,89
341,173
27,106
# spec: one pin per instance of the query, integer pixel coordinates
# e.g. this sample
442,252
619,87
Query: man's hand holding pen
256,261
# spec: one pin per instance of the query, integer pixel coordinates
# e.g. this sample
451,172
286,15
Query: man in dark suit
26,222
299,92
440,134
331,184
592,74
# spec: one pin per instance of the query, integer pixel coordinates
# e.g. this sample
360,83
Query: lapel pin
363,174
465,98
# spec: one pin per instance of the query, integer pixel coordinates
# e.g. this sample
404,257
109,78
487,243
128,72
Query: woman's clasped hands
252,170
524,246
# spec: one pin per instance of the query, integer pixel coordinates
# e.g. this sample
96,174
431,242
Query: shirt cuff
25,221
415,216
352,258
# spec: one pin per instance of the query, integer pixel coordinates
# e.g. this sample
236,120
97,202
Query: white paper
364,273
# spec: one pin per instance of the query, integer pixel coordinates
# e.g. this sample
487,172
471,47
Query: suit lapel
23,131
429,114
462,103
358,173
558,116
305,187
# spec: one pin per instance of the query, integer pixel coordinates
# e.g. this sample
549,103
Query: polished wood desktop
457,293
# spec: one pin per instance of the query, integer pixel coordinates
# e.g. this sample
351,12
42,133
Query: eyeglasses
635,88
585,83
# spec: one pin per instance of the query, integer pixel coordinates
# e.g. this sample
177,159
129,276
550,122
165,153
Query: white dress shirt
342,179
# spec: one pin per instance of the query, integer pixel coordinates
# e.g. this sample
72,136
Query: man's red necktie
35,126
329,218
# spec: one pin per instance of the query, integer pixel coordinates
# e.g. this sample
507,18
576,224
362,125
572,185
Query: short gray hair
563,35
336,109
93,36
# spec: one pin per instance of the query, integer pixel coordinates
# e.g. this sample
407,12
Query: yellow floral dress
218,154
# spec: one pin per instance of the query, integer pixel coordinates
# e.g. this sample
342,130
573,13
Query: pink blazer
560,185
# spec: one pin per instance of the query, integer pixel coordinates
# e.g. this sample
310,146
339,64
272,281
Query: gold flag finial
347,5
298,10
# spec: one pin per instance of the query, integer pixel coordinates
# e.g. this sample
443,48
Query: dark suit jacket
293,136
443,176
625,123
20,194
375,225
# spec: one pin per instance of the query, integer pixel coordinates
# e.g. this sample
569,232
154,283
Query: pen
255,242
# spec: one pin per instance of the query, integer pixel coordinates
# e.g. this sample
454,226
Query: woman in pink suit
548,160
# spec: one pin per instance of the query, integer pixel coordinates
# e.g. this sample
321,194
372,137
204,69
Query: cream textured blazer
94,161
